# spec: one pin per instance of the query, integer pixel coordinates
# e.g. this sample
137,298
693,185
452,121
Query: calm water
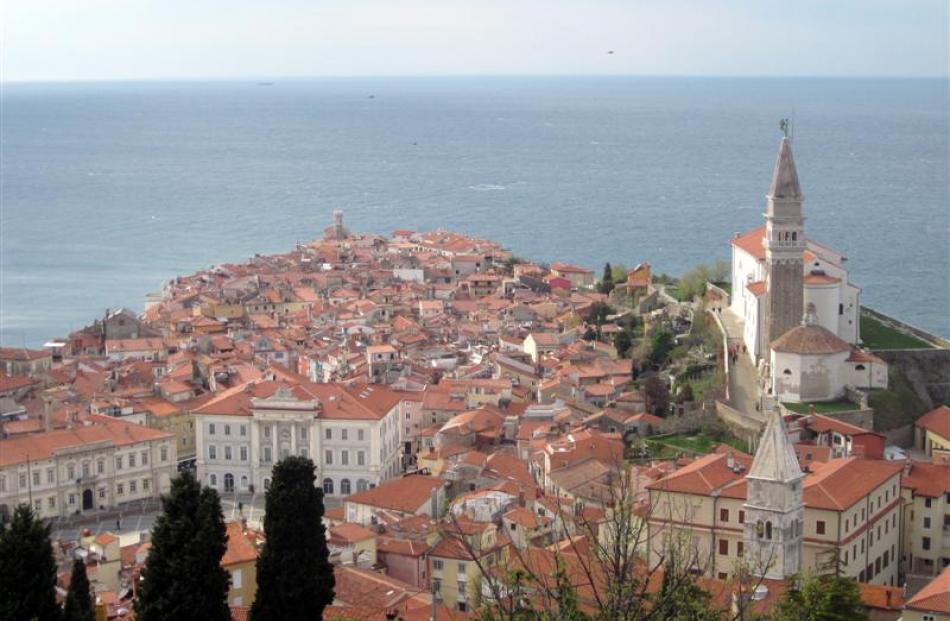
110,189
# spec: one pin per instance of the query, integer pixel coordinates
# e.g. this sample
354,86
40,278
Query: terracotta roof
349,532
820,279
931,480
756,288
936,421
840,483
751,242
406,494
240,547
100,428
704,475
810,340
935,597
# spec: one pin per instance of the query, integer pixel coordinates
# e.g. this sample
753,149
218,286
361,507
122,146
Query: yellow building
456,577
932,431
240,560
925,489
765,513
172,418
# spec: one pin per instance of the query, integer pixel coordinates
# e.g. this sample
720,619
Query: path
743,377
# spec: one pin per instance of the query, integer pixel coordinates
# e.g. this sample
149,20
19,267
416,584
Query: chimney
730,460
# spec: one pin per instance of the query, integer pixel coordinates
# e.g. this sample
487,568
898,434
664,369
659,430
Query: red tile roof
935,597
406,494
936,421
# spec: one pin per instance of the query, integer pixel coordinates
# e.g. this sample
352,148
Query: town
473,415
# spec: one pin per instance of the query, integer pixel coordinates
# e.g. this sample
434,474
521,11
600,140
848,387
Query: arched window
213,480
759,529
859,367
345,487
328,486
266,484
362,485
768,530
244,481
229,482
787,372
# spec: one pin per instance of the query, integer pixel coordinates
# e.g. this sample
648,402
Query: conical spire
775,458
784,176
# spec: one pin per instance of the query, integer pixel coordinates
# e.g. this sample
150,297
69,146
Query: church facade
784,282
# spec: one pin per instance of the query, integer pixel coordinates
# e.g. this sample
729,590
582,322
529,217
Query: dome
810,339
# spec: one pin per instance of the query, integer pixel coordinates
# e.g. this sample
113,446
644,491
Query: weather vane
785,126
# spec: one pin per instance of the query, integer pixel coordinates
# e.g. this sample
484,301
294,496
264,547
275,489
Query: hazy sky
115,39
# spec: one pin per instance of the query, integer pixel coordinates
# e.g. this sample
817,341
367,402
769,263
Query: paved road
130,520
743,377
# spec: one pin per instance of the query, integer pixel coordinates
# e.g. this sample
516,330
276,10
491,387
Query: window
925,543
243,453
131,460
328,486
723,546
345,487
345,458
70,471
266,431
164,453
328,434
768,530
72,498
741,516
926,522
211,429
740,548
328,457
51,502
133,487
36,477
436,584
146,484
119,490
236,579
362,485
360,458
213,480
50,474
144,458
841,309
227,430
227,453
102,492
437,564
101,466
724,515
212,451
343,434
3,484
243,429
359,435
787,372
267,455
820,527
928,502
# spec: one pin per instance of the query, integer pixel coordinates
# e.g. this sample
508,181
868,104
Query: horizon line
301,77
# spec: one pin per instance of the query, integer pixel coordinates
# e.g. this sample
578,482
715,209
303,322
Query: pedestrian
118,524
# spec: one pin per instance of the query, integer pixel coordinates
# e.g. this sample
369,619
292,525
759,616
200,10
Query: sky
44,40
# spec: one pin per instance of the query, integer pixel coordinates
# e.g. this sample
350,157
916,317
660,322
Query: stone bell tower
774,510
784,247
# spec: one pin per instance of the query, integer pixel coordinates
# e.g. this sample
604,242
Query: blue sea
109,189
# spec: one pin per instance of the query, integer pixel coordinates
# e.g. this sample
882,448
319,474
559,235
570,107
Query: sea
109,189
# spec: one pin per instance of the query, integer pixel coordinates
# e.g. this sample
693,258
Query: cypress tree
607,281
183,578
78,600
294,576
27,569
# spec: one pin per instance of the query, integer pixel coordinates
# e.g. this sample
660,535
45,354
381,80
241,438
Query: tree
679,600
657,394
821,598
607,281
79,606
294,574
183,577
27,569
662,342
622,342
598,313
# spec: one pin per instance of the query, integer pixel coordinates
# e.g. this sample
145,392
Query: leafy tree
607,281
682,600
183,577
590,334
598,313
656,393
821,598
661,344
294,575
622,342
79,606
693,282
27,569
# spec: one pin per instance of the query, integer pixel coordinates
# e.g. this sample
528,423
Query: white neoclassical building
352,434
97,462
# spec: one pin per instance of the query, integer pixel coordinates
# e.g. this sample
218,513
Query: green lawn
696,443
823,407
876,335
674,292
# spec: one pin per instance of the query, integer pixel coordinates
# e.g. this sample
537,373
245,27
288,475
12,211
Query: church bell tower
774,509
784,246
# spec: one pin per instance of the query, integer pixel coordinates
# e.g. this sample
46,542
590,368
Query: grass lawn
696,443
876,335
823,407
674,292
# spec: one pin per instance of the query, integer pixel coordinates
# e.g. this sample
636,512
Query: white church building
799,309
